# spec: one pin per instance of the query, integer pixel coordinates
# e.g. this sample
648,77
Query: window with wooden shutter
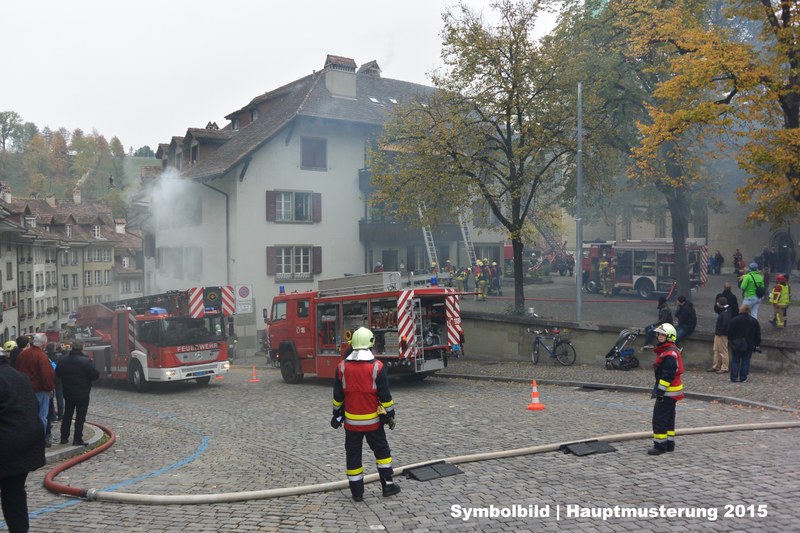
316,209
270,260
271,205
316,261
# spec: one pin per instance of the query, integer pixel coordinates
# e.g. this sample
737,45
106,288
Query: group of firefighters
486,275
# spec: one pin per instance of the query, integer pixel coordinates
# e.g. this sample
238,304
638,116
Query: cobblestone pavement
236,436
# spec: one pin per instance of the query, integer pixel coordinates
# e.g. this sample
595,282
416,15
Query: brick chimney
340,76
76,195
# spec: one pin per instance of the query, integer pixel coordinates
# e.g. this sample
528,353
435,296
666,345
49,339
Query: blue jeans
680,335
740,365
753,302
44,408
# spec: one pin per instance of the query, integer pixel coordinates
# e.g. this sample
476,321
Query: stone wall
506,338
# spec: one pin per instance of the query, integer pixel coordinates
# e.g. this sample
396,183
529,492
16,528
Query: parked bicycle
560,348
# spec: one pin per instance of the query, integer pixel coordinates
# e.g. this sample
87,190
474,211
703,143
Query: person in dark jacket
664,317
744,337
77,372
21,443
686,317
733,301
22,343
719,350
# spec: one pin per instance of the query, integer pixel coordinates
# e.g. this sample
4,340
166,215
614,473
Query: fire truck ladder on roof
467,235
549,235
430,246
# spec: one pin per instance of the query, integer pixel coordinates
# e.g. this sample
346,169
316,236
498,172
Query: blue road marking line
200,449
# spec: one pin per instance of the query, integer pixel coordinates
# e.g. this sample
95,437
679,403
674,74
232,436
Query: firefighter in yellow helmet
363,403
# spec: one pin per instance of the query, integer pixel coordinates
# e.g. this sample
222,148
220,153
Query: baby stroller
620,356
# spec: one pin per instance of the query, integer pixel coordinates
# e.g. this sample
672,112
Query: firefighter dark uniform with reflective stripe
668,368
363,403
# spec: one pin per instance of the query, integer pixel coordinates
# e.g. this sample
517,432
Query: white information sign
244,299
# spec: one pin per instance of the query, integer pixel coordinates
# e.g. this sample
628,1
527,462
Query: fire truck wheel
644,288
205,380
136,377
289,369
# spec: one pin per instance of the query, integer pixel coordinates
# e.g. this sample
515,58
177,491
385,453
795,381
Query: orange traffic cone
253,376
535,405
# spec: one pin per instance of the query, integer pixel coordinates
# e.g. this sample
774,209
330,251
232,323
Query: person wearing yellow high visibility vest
363,403
781,298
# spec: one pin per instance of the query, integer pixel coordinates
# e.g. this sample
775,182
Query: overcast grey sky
145,70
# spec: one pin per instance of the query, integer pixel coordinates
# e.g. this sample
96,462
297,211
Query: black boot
357,490
671,446
655,450
390,489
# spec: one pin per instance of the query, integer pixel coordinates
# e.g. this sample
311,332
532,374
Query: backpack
760,290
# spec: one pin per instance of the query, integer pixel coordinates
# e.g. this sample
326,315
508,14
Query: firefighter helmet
362,339
667,329
9,345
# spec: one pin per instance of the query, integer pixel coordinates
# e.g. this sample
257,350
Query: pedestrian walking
686,318
77,372
719,350
753,289
668,389
34,363
21,443
363,403
744,337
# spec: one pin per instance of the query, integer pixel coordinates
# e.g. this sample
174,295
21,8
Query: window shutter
316,259
270,260
316,207
271,195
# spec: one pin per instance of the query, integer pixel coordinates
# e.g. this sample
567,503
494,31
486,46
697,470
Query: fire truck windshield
178,331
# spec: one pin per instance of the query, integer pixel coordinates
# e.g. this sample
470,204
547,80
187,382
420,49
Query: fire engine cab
417,328
174,336
643,266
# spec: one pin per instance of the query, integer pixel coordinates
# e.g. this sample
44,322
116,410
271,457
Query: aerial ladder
467,236
549,237
430,246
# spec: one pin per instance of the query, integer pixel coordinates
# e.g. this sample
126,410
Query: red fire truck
417,327
173,336
644,266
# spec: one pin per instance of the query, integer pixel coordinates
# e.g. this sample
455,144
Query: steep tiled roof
308,97
210,135
64,211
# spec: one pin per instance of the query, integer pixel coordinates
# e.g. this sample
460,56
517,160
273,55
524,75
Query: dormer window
253,115
68,230
126,261
96,231
30,221
235,124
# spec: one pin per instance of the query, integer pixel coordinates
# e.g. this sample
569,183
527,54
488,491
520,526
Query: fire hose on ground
194,499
